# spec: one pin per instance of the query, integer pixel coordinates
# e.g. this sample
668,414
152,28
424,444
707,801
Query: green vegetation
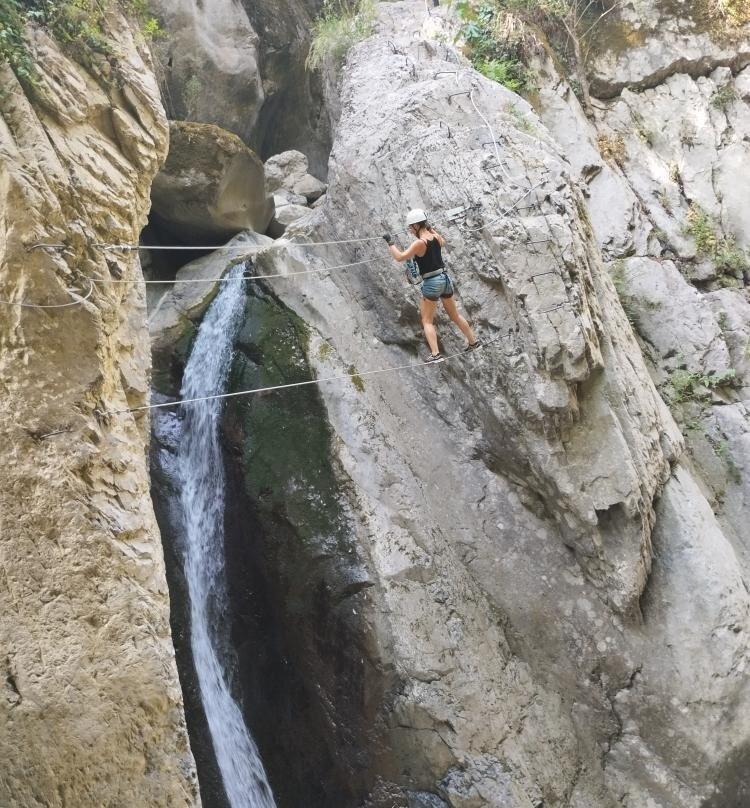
494,48
724,97
726,255
78,25
612,147
500,34
357,381
693,386
732,13
341,24
325,350
617,273
521,121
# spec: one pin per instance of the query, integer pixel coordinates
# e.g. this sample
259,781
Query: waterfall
202,497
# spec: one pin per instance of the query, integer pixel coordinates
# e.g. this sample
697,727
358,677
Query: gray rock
284,170
309,187
210,62
640,44
288,172
211,187
732,310
673,316
285,216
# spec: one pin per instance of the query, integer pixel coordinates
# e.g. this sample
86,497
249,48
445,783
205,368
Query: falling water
202,497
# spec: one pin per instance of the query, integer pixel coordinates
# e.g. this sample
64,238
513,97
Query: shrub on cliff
341,24
78,25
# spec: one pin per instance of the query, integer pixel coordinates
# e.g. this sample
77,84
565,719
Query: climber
426,250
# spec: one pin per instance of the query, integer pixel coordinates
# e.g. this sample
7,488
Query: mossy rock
286,438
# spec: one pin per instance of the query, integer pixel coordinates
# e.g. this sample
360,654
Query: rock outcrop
91,709
241,66
210,64
549,610
665,164
211,187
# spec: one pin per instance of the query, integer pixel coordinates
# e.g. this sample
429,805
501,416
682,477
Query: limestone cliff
91,710
549,611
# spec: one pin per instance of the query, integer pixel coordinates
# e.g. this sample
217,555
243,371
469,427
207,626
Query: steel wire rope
224,279
56,306
305,383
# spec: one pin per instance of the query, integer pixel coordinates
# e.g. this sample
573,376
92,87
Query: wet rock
211,187
174,315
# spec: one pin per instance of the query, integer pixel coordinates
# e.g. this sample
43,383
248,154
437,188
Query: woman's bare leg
449,304
427,309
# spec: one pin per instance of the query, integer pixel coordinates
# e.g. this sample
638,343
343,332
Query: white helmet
416,216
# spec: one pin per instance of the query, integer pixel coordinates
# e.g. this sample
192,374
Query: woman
436,285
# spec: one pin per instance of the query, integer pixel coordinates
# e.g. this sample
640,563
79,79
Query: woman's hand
389,240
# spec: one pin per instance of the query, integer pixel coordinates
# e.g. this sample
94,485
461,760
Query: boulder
285,216
288,171
211,187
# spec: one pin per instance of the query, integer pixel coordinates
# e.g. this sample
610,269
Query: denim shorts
437,287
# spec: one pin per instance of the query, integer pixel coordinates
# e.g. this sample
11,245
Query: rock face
665,164
211,187
241,66
288,172
209,64
91,709
549,611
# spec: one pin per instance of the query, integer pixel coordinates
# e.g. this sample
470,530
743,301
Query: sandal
473,346
434,358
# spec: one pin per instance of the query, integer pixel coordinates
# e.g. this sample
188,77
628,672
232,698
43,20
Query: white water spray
202,497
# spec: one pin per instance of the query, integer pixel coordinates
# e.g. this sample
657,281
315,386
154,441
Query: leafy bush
506,30
495,53
508,72
701,228
341,24
13,47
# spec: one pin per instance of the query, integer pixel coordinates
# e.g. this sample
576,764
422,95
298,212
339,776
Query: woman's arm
417,248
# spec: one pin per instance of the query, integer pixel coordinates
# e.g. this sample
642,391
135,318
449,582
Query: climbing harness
306,383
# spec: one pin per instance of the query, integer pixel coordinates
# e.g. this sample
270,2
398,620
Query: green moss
357,381
286,438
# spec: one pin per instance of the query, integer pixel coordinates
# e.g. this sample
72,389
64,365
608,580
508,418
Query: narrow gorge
254,553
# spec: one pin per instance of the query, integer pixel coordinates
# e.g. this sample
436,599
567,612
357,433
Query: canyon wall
91,710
